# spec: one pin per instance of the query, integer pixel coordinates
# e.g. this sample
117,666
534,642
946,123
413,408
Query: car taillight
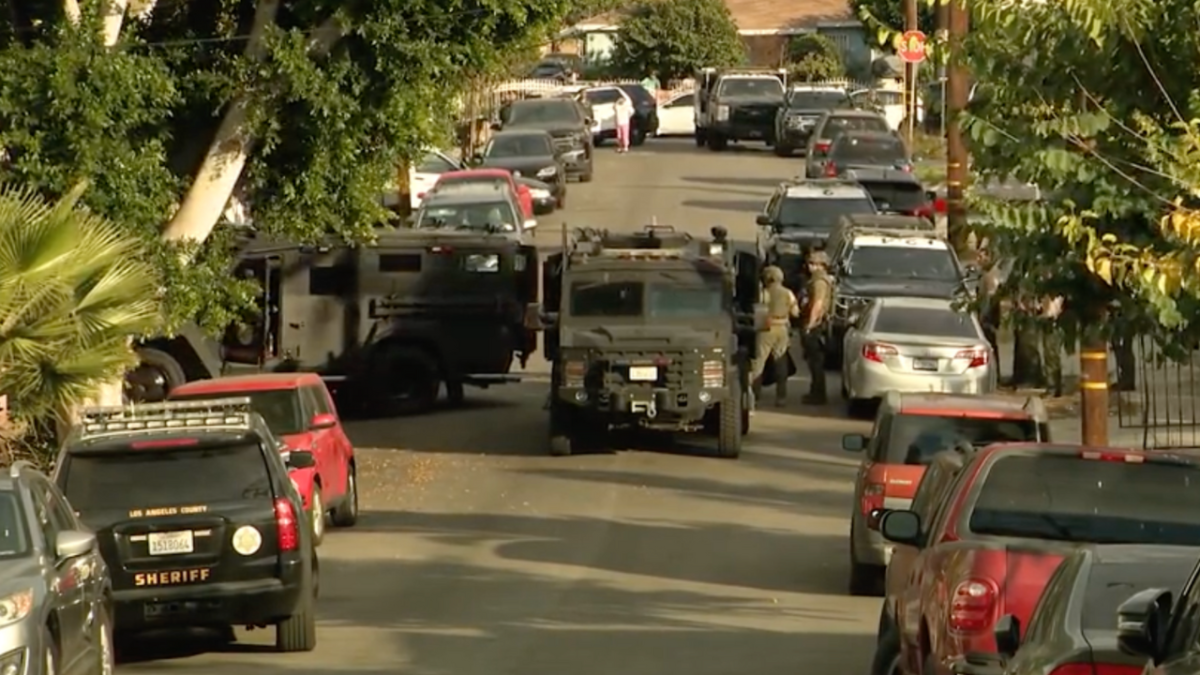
973,606
822,146
872,502
830,170
978,357
288,526
906,168
873,351
573,372
1113,456
1096,669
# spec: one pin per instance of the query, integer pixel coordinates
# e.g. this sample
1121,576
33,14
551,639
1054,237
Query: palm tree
74,289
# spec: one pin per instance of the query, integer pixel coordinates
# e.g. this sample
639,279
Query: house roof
763,16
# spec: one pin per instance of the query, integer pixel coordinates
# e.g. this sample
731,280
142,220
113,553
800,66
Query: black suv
196,518
801,110
567,123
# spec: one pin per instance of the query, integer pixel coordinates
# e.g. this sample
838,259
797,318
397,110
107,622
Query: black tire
729,425
298,632
783,151
865,580
414,375
885,623
858,408
156,374
701,138
639,138
745,420
346,513
587,177
560,446
718,143
887,654
561,430
455,393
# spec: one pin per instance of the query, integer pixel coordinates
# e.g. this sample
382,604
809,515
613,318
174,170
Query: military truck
738,104
167,362
649,330
390,324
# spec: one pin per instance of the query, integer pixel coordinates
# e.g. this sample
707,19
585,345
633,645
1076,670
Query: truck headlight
713,374
722,113
547,172
573,373
482,263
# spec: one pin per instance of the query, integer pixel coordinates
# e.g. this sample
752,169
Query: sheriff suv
195,517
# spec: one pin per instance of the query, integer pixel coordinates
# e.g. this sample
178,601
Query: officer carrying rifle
782,308
818,299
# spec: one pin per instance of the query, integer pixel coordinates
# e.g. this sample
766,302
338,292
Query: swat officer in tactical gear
818,304
782,307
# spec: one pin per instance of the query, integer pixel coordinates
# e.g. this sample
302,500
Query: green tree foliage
675,37
73,288
1096,103
813,57
886,17
342,93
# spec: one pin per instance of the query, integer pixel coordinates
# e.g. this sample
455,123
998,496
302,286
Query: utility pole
957,92
910,75
1093,388
941,31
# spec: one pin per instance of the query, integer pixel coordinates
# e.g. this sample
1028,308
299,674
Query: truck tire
701,138
298,632
560,446
414,374
729,425
156,374
717,142
561,429
783,151
639,138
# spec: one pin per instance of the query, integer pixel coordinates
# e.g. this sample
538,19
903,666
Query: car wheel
783,151
639,137
298,632
50,653
887,655
346,513
586,177
317,513
155,375
415,378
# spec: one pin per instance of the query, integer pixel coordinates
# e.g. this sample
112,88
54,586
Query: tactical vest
779,304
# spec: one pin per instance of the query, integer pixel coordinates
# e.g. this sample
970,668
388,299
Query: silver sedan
915,345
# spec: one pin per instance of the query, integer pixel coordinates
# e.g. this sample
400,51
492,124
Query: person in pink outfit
624,114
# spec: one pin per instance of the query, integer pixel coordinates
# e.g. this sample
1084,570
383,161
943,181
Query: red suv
297,408
910,430
1009,517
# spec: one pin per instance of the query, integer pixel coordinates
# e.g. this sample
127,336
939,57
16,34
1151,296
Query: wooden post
403,190
910,75
957,93
1093,390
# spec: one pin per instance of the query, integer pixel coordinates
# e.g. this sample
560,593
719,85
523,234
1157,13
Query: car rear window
916,439
1061,497
874,151
837,125
897,197
1110,585
280,408
640,95
172,476
938,323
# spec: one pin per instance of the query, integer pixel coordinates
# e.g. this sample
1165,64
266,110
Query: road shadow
723,554
733,180
809,501
733,205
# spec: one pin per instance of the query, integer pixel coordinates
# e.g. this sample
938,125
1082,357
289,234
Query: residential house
765,27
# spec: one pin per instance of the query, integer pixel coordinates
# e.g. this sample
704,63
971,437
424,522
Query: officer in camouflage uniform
782,307
817,306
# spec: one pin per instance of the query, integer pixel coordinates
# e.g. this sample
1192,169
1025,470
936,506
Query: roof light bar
219,413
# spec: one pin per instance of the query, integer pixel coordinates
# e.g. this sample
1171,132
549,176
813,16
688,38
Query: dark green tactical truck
649,330
390,324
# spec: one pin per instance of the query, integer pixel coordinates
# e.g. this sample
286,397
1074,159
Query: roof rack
230,414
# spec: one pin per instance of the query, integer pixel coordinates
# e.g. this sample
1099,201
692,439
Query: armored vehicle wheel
455,393
783,151
156,374
729,426
717,142
560,446
701,138
413,374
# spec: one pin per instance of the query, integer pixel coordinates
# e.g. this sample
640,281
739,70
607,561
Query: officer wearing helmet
782,307
818,302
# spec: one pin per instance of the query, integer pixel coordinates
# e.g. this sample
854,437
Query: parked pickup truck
1011,516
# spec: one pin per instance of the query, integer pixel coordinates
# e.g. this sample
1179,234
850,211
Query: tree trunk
226,157
72,12
114,18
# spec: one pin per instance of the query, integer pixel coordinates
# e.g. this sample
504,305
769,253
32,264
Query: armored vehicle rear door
256,338
552,270
526,271
317,286
747,290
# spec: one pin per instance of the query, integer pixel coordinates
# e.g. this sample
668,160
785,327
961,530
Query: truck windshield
901,262
750,87
1069,498
636,299
820,214
541,112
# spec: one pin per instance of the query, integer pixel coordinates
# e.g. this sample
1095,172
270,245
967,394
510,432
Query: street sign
910,46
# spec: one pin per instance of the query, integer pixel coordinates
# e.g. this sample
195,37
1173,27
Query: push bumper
644,406
743,131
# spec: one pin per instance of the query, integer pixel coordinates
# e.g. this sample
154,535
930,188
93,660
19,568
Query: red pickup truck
1011,516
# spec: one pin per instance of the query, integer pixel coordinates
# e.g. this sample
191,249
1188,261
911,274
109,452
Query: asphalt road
477,554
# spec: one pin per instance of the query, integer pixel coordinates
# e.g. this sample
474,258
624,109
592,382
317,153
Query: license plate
925,364
643,373
170,543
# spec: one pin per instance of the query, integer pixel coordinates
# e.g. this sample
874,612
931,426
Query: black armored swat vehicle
651,330
390,323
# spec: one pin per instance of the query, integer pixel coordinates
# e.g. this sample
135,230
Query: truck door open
747,290
526,269
552,270
254,339
316,285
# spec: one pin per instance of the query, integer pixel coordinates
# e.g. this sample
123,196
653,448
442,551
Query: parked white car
891,104
677,115
604,110
422,177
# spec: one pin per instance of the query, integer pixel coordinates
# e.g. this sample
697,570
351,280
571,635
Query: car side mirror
761,317
763,219
529,224
901,527
301,459
1142,623
854,442
74,543
1008,635
323,421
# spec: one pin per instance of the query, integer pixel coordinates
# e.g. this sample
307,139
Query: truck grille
753,114
671,370
564,144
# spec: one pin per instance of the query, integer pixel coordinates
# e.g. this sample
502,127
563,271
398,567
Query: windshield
916,439
662,300
463,184
542,112
750,87
877,151
483,216
1069,498
945,323
818,100
178,476
904,262
519,145
14,534
819,213
280,408
898,197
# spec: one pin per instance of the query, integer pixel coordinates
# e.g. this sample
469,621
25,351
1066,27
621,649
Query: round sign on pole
910,46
